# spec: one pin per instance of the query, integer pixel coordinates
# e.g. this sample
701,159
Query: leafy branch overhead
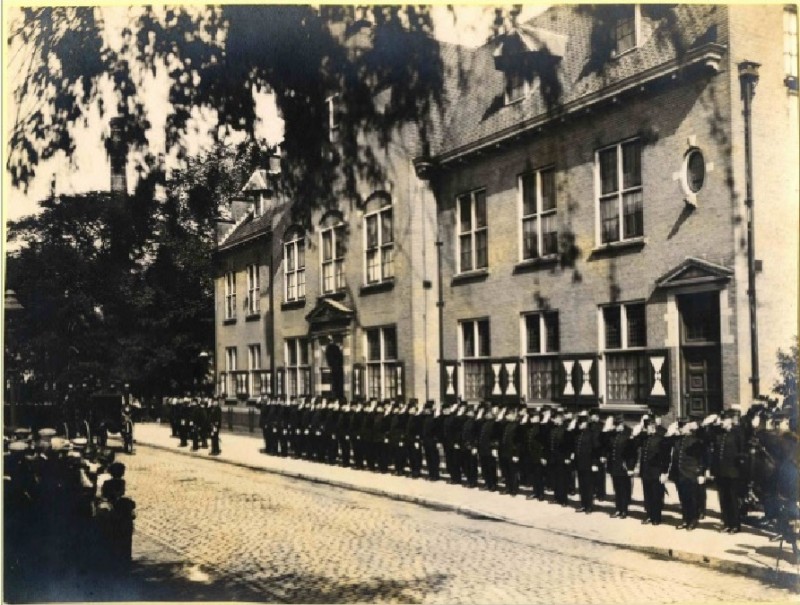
215,58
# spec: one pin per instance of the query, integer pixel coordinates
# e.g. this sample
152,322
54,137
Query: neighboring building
587,187
592,207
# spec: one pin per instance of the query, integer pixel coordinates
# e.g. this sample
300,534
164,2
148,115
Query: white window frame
299,370
637,29
253,289
383,251
478,356
230,294
620,351
388,387
619,193
230,368
297,273
472,231
790,41
335,263
254,365
538,214
528,356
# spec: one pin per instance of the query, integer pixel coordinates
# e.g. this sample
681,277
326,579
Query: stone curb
782,578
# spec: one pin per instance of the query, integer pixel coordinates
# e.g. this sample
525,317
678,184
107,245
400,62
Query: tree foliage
215,57
120,287
786,385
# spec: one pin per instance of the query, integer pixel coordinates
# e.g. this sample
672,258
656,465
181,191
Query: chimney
118,155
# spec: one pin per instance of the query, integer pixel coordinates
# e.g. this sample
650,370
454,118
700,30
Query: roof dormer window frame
516,72
619,35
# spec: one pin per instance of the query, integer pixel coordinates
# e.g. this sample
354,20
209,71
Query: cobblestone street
219,531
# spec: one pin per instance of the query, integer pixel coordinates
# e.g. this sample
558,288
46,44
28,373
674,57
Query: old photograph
400,304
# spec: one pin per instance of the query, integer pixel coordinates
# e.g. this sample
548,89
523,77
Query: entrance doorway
334,359
701,373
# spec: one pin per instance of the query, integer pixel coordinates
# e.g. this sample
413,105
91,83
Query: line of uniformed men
198,419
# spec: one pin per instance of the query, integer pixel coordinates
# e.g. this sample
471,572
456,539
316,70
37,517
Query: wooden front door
701,379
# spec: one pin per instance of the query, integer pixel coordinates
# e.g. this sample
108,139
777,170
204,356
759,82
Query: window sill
253,317
381,286
229,322
338,295
632,244
293,304
532,264
470,276
616,56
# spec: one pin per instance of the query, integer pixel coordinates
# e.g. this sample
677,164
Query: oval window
695,170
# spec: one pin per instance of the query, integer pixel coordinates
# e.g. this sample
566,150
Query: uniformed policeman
215,425
183,414
509,451
397,435
586,459
687,469
413,438
343,434
431,436
487,448
356,430
470,437
653,464
557,457
621,463
728,459
535,454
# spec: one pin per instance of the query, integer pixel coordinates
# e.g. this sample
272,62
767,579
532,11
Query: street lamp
748,78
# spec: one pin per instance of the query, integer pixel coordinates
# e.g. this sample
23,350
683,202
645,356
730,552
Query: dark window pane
609,220
532,325
552,332
632,164
483,338
301,254
528,182
695,171
632,207
373,345
465,213
480,209
613,327
386,227
468,332
530,245
372,231
303,344
327,245
637,328
481,252
608,170
340,242
549,234
548,184
389,343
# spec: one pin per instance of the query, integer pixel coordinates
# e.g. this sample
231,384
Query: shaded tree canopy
215,57
120,287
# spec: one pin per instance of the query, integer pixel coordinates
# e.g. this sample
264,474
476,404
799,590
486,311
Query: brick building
586,194
592,209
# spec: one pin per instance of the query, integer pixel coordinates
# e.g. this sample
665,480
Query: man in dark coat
687,469
470,434
355,431
397,439
728,455
382,425
557,458
585,461
596,426
653,464
413,438
431,436
535,454
509,452
621,462
343,432
487,449
451,426
215,424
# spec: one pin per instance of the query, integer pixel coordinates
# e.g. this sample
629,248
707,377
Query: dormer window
517,86
626,29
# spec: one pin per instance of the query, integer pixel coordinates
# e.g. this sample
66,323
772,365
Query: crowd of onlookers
751,459
65,508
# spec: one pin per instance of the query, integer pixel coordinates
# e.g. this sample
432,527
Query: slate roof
249,228
480,109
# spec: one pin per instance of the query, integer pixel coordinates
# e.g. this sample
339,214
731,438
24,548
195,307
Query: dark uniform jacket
586,450
487,440
621,453
653,455
558,446
533,442
431,430
470,432
414,428
451,428
397,427
688,458
728,454
510,441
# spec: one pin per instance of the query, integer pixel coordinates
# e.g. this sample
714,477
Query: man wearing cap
621,462
510,451
557,458
431,436
653,465
727,459
585,461
599,481
397,436
451,425
382,427
687,470
470,434
487,447
535,454
413,438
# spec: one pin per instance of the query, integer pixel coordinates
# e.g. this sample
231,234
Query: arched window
332,250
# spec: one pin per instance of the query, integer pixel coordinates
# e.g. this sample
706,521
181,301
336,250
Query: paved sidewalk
748,552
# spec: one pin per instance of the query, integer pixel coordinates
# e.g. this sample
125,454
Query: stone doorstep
693,548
